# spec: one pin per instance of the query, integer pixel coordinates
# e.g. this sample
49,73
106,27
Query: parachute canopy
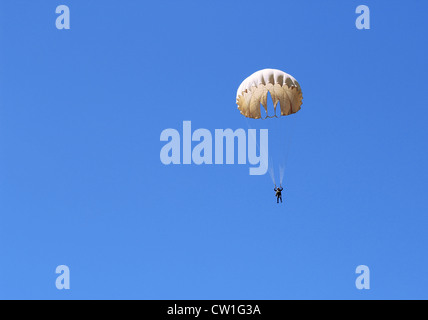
282,87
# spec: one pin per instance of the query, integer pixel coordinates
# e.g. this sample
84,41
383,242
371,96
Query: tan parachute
282,87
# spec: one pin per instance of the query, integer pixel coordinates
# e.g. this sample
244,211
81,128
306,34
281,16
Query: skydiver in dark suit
278,193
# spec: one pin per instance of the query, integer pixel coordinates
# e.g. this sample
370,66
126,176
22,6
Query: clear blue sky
81,182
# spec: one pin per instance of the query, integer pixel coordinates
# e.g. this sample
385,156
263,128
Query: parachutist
278,193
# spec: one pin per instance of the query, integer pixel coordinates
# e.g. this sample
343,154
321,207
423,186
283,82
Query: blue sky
81,182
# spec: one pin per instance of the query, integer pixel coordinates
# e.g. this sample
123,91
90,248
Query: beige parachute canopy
282,87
